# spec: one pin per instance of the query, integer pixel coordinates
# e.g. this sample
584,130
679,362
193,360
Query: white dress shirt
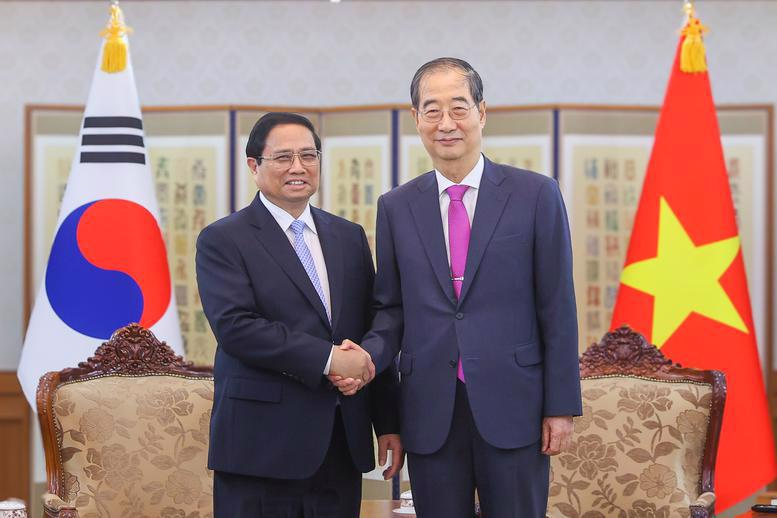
470,198
310,235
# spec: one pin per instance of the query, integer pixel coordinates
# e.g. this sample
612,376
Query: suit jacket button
459,316
453,363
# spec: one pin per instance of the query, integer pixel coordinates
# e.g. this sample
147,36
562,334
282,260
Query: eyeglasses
307,157
456,113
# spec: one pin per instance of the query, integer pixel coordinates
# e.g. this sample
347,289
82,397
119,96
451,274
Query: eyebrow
455,99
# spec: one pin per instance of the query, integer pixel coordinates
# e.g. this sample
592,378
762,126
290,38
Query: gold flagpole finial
115,49
690,11
692,55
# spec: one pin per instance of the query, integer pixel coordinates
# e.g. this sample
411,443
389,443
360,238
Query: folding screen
598,153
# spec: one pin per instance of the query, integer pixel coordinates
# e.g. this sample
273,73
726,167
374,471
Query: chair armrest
704,506
55,507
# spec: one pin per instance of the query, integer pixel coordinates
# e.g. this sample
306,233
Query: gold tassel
115,49
693,58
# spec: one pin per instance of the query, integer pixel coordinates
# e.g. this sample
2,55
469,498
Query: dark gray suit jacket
515,323
273,410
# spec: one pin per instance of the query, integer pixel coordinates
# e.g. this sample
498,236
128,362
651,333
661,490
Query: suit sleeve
384,401
383,340
555,303
228,301
384,389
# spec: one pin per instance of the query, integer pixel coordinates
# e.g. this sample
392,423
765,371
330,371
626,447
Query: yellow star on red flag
684,278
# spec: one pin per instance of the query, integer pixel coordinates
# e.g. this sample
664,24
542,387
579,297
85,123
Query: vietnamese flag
683,285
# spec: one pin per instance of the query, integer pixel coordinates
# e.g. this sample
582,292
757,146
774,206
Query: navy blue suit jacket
515,323
273,408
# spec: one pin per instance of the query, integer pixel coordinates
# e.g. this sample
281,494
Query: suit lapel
277,244
489,208
426,213
333,257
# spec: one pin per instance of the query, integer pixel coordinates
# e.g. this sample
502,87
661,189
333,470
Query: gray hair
473,78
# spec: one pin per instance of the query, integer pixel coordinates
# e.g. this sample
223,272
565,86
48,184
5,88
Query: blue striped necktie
306,258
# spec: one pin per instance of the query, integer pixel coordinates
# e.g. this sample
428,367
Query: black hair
473,78
258,137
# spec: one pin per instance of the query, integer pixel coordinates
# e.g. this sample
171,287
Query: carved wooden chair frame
624,352
131,351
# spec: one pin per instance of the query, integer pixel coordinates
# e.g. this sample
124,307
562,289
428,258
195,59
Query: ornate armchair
646,443
126,433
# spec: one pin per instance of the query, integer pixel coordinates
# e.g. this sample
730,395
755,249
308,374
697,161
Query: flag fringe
693,58
115,48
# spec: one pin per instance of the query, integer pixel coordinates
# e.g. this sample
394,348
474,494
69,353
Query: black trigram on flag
112,140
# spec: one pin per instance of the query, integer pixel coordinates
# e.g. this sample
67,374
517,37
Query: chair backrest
126,432
647,440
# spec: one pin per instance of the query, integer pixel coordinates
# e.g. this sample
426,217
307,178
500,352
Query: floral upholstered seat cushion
636,450
136,446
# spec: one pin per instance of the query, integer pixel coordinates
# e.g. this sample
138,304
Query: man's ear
252,164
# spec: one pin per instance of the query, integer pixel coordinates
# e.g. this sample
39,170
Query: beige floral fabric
136,447
636,451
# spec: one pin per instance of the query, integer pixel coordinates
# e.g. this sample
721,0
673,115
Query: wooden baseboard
15,451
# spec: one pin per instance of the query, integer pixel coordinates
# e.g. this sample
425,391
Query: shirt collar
285,219
472,179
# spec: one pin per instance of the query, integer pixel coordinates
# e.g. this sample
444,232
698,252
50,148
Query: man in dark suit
280,283
474,286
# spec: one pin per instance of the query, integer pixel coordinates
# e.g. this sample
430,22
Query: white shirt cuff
329,361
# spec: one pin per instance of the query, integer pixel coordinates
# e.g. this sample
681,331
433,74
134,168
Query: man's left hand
387,442
556,434
347,386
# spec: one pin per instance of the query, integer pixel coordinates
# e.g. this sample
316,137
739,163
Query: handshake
351,368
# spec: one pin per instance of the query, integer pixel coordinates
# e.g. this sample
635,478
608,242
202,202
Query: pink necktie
458,240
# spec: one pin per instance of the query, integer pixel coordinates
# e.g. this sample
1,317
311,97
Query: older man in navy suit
474,287
281,282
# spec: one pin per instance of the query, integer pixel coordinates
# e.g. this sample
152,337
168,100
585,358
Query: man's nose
296,164
446,123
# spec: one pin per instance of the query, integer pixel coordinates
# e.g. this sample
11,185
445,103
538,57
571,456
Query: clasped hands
351,368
